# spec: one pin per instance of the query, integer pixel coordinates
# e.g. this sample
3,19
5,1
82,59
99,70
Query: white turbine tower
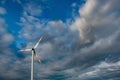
33,54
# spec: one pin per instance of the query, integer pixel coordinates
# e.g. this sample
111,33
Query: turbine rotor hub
33,49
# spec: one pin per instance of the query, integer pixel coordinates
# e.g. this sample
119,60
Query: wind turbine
33,54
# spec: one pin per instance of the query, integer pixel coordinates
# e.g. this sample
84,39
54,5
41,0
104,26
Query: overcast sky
81,42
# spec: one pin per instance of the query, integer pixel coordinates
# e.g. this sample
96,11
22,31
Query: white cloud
7,55
99,33
29,24
95,26
6,37
33,9
100,70
49,49
104,45
99,30
2,10
19,1
74,5
96,20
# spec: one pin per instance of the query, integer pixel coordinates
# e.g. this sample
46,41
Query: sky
81,39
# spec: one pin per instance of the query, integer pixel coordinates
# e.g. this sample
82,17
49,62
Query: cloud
101,70
11,66
6,55
76,50
2,10
98,27
29,23
95,22
6,37
89,56
33,9
53,48
73,4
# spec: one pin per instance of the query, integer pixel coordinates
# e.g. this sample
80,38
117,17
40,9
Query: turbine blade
36,45
25,50
38,58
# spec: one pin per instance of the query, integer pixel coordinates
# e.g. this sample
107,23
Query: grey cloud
2,10
90,56
6,38
75,50
105,45
99,8
101,70
100,31
53,50
95,22
29,23
6,53
33,9
9,64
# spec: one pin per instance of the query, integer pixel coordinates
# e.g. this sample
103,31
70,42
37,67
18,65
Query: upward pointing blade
25,50
38,42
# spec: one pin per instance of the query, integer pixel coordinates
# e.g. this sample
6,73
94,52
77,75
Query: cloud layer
85,48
